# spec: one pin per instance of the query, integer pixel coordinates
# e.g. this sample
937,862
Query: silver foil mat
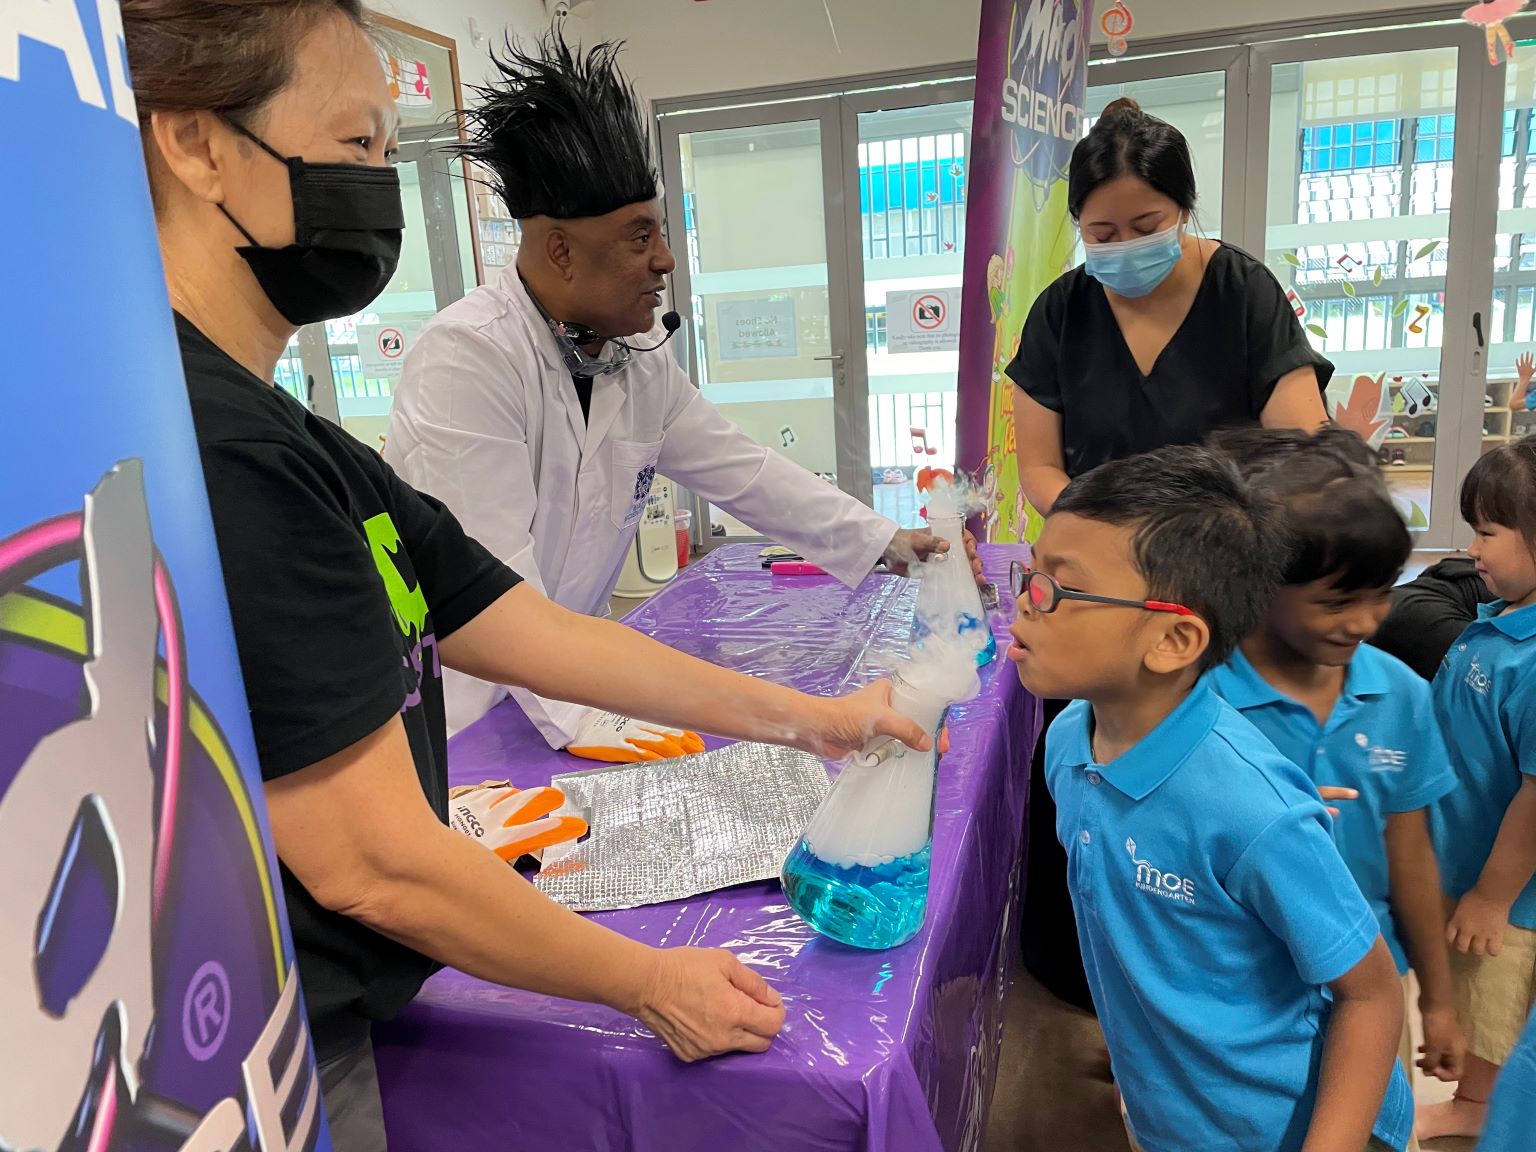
669,829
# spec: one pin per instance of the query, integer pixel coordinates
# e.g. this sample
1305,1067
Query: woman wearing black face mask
268,128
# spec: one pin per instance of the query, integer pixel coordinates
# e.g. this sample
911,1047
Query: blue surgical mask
1134,267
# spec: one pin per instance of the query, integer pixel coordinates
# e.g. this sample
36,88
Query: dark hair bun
1118,107
1129,142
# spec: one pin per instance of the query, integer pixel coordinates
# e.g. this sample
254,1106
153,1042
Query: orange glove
512,822
616,739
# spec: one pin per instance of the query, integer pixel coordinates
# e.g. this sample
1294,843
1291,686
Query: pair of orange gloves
514,822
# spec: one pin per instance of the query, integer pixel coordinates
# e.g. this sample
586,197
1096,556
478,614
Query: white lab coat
487,420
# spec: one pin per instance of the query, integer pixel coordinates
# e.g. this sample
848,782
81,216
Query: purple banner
1031,65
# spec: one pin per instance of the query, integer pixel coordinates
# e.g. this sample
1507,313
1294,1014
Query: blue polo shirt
1485,699
1512,1114
1212,907
1381,738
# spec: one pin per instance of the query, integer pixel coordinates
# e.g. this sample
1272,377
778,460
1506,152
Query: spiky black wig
561,133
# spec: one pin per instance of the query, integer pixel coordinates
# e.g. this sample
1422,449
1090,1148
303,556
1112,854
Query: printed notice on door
757,329
381,347
924,321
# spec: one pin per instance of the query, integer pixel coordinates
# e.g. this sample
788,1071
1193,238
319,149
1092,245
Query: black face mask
347,226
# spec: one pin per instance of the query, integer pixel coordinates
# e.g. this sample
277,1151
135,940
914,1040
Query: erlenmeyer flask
859,872
948,601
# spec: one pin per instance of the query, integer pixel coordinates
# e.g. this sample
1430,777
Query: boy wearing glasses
1358,722
1212,907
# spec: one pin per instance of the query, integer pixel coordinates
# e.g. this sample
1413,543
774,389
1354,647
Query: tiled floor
1053,1089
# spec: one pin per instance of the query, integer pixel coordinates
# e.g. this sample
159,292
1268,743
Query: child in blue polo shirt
1357,721
1512,1113
1247,998
1485,831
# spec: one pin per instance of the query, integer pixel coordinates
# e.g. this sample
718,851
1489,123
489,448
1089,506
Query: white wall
685,47
495,19
1156,20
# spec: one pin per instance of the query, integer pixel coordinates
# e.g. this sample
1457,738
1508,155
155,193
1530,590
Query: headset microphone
671,321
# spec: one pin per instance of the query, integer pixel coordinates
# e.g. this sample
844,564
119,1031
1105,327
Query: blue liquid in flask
868,907
988,652
966,625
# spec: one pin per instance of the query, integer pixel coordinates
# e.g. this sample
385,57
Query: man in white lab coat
532,410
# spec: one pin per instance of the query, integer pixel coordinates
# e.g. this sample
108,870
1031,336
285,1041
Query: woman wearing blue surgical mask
1161,337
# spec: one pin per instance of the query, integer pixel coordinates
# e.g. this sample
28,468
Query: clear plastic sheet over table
882,1051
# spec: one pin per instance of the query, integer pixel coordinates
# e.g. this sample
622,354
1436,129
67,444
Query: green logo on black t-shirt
406,600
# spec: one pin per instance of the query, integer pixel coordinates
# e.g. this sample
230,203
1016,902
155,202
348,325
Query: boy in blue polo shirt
1356,720
1512,1114
1247,998
1485,831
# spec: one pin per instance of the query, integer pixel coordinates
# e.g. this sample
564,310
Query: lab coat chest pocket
634,468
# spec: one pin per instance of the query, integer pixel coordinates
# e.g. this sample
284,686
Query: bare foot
1455,1117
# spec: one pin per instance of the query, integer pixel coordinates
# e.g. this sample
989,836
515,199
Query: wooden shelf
1390,440
1406,469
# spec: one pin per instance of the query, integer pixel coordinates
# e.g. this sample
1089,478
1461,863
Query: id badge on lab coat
634,468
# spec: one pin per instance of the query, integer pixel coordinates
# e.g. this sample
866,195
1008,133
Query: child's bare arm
1414,891
1358,1054
1477,926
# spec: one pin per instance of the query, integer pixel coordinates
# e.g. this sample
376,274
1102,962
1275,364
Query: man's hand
703,1001
1477,926
512,822
912,546
1444,1046
616,739
1330,792
972,555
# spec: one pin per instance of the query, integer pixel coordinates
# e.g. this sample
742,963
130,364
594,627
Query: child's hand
1525,368
1477,926
1444,1046
1330,792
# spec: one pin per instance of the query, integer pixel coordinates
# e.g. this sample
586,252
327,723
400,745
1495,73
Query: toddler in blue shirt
1485,831
1246,995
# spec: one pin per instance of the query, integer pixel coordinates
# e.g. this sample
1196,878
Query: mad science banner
147,985
1031,67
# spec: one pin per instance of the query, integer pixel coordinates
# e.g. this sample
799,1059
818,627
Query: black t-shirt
1429,612
342,579
1240,337
583,385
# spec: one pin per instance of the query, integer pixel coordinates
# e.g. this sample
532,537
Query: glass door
1202,94
1353,184
750,188
906,254
346,368
1510,397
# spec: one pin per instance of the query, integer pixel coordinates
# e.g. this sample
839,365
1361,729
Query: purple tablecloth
881,1050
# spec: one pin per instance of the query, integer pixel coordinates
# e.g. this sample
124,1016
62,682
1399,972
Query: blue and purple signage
148,995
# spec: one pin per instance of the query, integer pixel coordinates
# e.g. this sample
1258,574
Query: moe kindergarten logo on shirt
1477,679
1380,759
1150,878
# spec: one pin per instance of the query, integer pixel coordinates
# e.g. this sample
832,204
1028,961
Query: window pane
1373,306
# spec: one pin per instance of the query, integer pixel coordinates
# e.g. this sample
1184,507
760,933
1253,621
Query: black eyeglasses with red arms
1045,595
